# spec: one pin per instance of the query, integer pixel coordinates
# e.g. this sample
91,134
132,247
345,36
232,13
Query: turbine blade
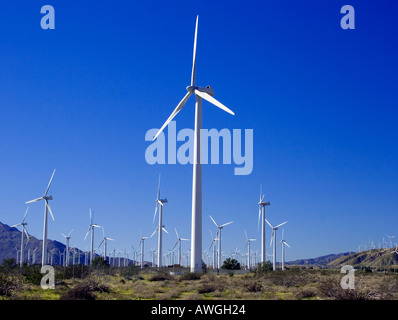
174,113
70,232
225,224
209,98
183,239
63,235
48,187
165,230
281,224
88,231
259,216
176,233
96,225
49,209
110,239
272,236
156,209
16,225
34,200
286,243
245,234
213,221
158,195
268,223
100,243
23,220
154,232
193,76
174,245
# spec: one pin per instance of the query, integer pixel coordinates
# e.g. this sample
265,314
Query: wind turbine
273,238
248,249
142,239
261,209
283,243
67,238
91,228
105,242
391,237
206,93
160,226
213,244
219,228
179,246
46,210
23,224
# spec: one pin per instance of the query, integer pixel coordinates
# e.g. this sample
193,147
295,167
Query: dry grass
279,285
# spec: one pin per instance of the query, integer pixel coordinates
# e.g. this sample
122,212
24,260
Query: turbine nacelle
208,89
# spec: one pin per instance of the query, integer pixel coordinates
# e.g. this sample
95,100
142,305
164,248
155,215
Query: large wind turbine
206,93
67,238
23,224
46,210
248,249
219,228
160,227
283,243
179,239
261,209
273,239
91,228
105,242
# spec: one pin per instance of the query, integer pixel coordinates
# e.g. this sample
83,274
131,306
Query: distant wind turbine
283,243
179,239
219,228
46,210
206,93
24,231
160,227
248,250
105,242
142,239
67,238
91,228
273,239
261,214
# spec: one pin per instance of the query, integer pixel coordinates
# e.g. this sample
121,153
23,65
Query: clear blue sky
322,103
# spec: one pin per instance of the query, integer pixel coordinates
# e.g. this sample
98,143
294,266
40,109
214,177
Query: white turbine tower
160,228
273,239
179,246
391,237
105,242
219,228
24,231
248,249
46,210
261,214
283,243
142,239
91,228
206,93
67,238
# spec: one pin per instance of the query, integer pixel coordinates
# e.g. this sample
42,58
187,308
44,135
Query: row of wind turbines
159,230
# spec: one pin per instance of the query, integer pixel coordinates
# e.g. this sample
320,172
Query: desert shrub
190,276
331,288
253,286
263,267
85,290
32,274
206,288
231,264
160,277
9,285
289,278
306,293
